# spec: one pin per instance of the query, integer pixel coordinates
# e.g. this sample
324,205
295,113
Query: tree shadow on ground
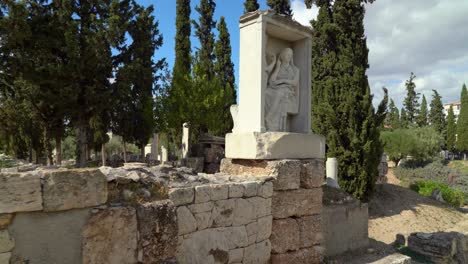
390,200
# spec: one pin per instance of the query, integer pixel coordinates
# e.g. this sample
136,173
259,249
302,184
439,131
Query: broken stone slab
110,236
64,190
296,203
285,235
20,192
311,255
395,258
440,247
158,231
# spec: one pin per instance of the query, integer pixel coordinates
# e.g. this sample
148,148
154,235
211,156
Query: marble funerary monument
272,120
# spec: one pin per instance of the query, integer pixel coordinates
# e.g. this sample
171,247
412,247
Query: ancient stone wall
251,213
296,206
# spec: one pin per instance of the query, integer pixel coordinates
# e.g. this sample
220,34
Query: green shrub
452,196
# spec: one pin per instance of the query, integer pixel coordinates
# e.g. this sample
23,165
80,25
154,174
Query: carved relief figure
282,93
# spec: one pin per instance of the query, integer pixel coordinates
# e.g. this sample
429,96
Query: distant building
456,109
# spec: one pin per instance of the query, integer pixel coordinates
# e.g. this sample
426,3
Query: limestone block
223,212
296,203
110,236
287,174
345,226
158,231
303,256
266,190
252,228
265,225
6,242
258,253
219,192
186,220
310,230
440,247
262,206
237,236
250,189
181,196
202,193
201,207
274,145
204,220
236,255
244,212
395,258
285,235
20,192
5,258
54,237
204,247
5,220
312,174
63,190
236,190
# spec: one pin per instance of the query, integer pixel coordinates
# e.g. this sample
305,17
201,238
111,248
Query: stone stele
272,120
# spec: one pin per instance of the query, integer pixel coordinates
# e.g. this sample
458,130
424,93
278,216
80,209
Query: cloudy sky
427,37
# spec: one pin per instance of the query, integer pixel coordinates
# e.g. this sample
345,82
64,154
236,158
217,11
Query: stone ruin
265,205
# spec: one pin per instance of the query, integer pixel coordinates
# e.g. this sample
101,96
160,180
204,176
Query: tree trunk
81,142
48,147
30,152
58,150
125,151
103,154
142,154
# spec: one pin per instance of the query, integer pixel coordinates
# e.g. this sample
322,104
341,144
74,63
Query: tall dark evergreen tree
224,70
422,117
341,92
451,130
393,116
138,77
411,102
203,31
251,6
281,7
404,123
462,123
436,115
183,61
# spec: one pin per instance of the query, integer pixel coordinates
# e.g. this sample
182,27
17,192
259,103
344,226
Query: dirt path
398,210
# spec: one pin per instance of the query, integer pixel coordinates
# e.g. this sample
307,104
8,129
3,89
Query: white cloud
427,37
301,14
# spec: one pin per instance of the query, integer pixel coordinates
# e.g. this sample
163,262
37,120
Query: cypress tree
203,31
224,70
436,115
462,123
451,130
281,7
251,6
137,78
393,116
411,102
404,119
182,63
422,117
340,82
